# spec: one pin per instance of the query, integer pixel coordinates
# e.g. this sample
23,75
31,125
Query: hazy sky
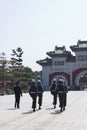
38,25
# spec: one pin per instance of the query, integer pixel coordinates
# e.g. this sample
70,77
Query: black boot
54,106
61,109
18,106
15,105
33,109
64,108
39,107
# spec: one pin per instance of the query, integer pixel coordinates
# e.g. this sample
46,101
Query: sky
37,26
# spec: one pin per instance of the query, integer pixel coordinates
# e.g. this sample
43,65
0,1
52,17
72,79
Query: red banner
5,83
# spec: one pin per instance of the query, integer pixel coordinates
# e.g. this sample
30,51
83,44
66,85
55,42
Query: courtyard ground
73,118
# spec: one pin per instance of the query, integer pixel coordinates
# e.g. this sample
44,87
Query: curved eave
78,49
57,55
44,64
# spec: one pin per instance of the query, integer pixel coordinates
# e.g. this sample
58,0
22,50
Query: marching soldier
18,93
33,94
40,93
62,90
53,92
65,95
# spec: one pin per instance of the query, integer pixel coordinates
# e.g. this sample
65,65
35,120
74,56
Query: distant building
63,64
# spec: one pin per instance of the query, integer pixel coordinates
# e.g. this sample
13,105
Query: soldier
53,92
62,90
40,93
18,93
33,93
65,94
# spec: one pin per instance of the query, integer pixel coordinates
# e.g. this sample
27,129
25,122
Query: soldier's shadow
11,109
30,112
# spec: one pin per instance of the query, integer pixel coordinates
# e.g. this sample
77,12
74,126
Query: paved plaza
73,118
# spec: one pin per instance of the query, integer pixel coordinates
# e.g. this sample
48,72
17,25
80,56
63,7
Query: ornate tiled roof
58,52
81,46
62,52
46,61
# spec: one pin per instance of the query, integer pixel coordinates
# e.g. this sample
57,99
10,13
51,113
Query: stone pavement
73,118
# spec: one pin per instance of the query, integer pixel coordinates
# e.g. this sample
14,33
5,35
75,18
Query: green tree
3,64
16,61
38,75
28,73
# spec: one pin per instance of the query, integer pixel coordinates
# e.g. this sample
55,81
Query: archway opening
83,81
